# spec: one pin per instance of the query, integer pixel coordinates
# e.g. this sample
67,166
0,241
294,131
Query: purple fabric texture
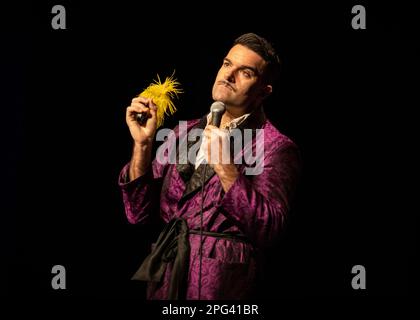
256,205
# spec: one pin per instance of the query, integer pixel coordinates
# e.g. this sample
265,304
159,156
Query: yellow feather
162,95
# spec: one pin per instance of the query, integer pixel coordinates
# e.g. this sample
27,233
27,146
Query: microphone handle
141,117
216,118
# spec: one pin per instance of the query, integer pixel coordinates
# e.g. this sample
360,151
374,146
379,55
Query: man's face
239,80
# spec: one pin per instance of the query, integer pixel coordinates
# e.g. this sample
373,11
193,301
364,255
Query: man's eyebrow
244,66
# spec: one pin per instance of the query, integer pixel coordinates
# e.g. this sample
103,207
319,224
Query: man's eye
247,74
226,64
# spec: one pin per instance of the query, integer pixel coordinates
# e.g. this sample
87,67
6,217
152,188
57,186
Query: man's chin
221,97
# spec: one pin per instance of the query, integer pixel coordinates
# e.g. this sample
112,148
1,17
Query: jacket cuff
125,184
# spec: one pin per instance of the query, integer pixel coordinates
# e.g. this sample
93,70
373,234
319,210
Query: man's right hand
142,134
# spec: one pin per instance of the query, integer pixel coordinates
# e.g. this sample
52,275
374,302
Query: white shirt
229,126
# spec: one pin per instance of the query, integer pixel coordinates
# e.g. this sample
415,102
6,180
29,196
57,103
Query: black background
342,97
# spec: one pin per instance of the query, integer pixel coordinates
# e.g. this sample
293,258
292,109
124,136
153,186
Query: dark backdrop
342,98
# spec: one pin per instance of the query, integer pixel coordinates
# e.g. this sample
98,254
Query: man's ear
266,91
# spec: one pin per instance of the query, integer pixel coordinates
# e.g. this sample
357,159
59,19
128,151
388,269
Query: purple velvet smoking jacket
255,205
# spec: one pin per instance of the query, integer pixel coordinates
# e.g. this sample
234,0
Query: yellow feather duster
162,95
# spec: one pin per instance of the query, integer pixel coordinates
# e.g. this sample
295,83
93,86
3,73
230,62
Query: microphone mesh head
218,106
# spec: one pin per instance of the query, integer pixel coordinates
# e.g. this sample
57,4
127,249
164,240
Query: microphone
217,110
141,117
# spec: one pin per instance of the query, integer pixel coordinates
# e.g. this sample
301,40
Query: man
237,215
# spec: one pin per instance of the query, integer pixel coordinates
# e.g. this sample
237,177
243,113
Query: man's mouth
226,84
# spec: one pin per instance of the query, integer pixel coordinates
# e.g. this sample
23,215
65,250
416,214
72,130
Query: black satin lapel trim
184,168
195,182
185,171
191,177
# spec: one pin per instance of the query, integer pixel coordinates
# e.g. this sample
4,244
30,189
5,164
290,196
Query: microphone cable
201,230
217,109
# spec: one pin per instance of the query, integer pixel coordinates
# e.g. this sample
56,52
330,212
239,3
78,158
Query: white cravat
230,126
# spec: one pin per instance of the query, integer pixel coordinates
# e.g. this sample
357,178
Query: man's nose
230,75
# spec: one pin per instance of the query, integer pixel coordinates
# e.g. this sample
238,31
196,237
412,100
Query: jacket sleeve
259,204
141,195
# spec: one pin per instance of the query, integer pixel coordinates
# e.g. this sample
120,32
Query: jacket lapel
194,183
183,166
193,177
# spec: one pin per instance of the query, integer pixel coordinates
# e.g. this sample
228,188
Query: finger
222,133
209,129
152,108
213,150
208,151
152,105
213,130
207,134
140,99
133,110
152,119
140,107
213,133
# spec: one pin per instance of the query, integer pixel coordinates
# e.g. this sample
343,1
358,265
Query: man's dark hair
265,50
